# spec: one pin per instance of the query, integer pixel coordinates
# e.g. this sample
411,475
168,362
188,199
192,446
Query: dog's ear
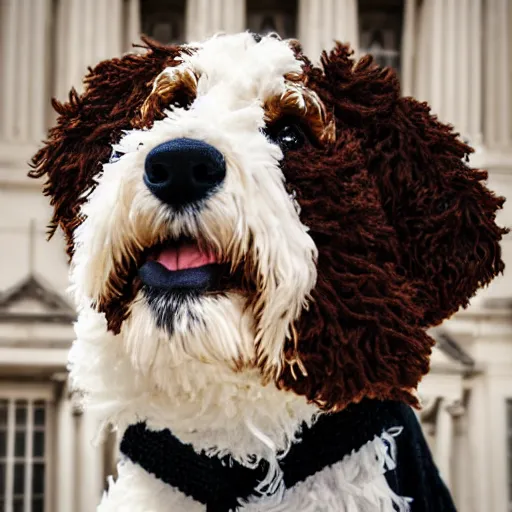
405,231
361,335
88,124
442,212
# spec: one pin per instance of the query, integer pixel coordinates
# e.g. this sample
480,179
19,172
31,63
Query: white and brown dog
257,247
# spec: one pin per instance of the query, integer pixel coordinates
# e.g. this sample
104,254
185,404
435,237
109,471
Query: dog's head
232,203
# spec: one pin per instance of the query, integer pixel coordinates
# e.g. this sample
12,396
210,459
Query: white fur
207,404
251,216
355,484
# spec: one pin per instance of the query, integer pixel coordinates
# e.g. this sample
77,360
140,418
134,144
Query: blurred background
456,54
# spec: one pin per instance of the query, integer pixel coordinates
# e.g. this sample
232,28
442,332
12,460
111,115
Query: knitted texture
221,484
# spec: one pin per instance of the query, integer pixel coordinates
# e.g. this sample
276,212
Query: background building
454,53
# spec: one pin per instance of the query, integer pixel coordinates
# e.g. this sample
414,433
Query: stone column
449,413
475,122
466,70
322,22
421,86
207,17
24,73
90,458
65,452
448,62
87,32
409,47
461,483
478,433
444,441
133,25
497,74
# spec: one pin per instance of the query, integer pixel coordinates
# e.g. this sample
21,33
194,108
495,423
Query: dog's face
233,204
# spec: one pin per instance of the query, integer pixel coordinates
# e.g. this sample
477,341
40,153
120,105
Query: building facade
456,54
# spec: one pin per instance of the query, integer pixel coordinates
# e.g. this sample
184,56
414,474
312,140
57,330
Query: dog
257,248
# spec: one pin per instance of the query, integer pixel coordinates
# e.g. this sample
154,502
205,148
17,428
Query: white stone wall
18,207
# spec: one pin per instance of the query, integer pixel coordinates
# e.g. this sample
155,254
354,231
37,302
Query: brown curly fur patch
88,124
405,230
80,143
176,90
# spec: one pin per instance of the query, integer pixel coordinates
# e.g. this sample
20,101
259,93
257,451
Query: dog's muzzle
184,171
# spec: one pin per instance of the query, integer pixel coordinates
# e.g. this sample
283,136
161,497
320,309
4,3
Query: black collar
221,483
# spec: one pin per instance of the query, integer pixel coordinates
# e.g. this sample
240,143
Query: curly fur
404,228
88,124
346,250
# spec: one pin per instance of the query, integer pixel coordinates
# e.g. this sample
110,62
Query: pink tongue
183,257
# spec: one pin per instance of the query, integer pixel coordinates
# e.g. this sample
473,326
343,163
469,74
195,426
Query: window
163,21
23,452
265,16
380,25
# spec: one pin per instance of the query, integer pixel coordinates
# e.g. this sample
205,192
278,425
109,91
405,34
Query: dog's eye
115,156
182,98
289,137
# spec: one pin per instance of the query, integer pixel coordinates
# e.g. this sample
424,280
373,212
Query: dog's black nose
183,171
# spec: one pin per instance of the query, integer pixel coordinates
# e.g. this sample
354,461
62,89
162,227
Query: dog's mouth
185,266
